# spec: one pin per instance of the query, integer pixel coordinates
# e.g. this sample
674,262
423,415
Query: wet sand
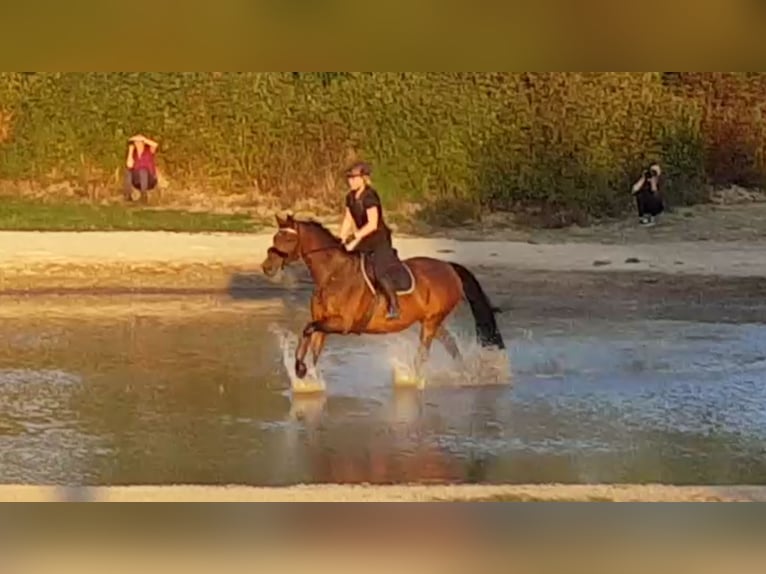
37,253
703,280
169,263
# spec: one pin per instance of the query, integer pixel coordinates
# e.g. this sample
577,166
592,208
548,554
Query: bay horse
344,301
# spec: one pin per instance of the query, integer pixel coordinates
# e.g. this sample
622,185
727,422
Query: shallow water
136,394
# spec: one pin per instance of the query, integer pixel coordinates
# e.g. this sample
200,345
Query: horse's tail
483,311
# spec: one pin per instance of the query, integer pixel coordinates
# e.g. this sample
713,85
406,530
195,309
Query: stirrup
393,313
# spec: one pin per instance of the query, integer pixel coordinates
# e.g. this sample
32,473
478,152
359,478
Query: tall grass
461,142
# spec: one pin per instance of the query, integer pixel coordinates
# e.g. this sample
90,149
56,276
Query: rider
364,230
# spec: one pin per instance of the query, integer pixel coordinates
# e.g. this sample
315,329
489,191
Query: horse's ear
287,222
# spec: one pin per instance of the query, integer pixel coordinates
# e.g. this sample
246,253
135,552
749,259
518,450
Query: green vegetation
25,215
564,145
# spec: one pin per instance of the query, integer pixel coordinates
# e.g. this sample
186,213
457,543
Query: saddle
399,274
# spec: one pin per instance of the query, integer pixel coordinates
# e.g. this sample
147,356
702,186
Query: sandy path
25,249
368,493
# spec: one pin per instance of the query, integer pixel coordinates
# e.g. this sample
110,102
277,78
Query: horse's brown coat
341,302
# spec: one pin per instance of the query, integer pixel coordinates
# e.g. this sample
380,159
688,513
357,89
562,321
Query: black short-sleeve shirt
358,208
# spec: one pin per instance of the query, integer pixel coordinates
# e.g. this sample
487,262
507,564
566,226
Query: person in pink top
142,171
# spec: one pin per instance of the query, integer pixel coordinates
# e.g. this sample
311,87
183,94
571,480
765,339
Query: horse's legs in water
303,347
317,344
428,330
446,339
314,334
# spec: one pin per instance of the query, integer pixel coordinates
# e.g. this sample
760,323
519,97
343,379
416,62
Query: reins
285,256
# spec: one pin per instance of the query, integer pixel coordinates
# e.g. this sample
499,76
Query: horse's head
285,248
297,239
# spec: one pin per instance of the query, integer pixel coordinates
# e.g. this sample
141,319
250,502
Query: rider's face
355,182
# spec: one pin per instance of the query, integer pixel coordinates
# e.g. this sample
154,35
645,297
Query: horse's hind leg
428,330
446,339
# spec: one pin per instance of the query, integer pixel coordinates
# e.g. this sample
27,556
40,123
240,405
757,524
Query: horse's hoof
300,369
308,387
403,379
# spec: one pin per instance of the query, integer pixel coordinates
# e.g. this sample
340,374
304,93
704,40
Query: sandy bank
371,493
29,251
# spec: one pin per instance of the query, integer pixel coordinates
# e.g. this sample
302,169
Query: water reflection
200,398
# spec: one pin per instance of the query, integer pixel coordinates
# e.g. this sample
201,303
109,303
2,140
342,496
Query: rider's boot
389,291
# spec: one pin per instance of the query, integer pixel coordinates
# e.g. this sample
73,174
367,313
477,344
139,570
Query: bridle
286,257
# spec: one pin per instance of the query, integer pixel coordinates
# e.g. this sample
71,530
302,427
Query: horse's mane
322,230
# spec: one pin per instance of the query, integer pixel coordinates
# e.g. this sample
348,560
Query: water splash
402,353
313,382
47,377
479,366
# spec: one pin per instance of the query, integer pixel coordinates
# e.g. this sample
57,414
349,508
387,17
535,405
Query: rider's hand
351,245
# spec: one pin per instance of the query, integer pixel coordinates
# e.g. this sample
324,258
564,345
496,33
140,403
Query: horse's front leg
310,330
314,336
317,344
315,333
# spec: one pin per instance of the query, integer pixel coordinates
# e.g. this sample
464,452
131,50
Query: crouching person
141,171
648,198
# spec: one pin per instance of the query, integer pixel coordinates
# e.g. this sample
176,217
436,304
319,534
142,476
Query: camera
649,173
